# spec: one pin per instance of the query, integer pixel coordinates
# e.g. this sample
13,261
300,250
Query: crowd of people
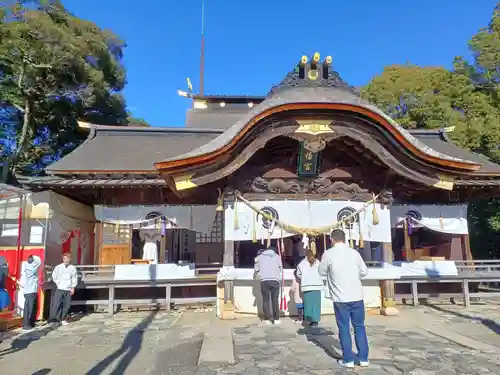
339,275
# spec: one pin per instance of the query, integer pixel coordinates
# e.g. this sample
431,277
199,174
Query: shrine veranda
249,172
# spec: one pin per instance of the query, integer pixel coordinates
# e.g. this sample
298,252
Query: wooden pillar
227,310
407,242
466,249
387,286
228,261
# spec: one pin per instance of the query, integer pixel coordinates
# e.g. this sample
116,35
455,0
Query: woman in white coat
311,285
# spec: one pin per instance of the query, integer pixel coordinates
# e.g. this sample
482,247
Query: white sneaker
277,322
64,323
267,322
364,363
345,364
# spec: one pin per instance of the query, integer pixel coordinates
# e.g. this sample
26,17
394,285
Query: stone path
96,344
287,350
445,341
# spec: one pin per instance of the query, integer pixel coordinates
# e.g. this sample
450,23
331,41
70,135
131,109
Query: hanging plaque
308,162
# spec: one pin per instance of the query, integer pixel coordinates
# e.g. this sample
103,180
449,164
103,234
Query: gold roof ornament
314,127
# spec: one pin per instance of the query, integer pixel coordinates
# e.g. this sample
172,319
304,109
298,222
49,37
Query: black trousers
59,306
270,290
30,310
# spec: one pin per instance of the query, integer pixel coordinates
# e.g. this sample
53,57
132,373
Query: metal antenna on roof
202,53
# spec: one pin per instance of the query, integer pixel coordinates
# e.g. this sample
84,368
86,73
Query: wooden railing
106,272
101,277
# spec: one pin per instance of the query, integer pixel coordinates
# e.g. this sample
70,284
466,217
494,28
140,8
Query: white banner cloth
197,218
385,272
427,268
308,214
153,271
450,219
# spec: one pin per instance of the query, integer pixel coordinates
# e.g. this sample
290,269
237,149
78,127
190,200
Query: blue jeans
346,313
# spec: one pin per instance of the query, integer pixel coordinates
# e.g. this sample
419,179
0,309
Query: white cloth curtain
308,214
197,218
451,219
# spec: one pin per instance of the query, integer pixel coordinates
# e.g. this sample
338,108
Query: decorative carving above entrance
320,186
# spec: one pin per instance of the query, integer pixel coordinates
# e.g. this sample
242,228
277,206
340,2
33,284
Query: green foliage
137,121
467,98
55,69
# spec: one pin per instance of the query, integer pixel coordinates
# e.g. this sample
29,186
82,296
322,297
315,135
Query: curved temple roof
296,91
134,153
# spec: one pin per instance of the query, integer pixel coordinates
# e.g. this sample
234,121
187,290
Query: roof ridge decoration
313,73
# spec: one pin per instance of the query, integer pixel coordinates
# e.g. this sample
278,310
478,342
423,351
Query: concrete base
217,345
389,311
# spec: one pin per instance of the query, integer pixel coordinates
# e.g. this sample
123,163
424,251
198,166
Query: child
295,289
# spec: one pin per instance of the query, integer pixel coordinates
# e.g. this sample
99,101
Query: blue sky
251,45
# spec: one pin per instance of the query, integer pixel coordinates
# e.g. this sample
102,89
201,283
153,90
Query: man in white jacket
344,268
65,277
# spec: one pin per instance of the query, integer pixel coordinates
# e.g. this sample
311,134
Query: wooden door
115,254
116,245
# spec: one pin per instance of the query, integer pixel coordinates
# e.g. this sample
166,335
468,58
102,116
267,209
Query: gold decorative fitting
314,127
316,57
313,75
200,104
184,183
315,145
445,183
328,60
388,302
303,60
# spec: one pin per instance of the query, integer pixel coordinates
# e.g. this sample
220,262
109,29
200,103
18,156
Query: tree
484,73
433,97
55,69
467,98
137,121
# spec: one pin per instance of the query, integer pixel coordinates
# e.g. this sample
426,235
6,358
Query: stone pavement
443,340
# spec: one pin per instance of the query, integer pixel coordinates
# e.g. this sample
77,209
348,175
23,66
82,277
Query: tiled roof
111,148
304,94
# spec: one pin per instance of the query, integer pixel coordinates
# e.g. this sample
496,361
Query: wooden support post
466,249
168,296
387,286
414,293
407,244
162,249
111,300
465,290
227,310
